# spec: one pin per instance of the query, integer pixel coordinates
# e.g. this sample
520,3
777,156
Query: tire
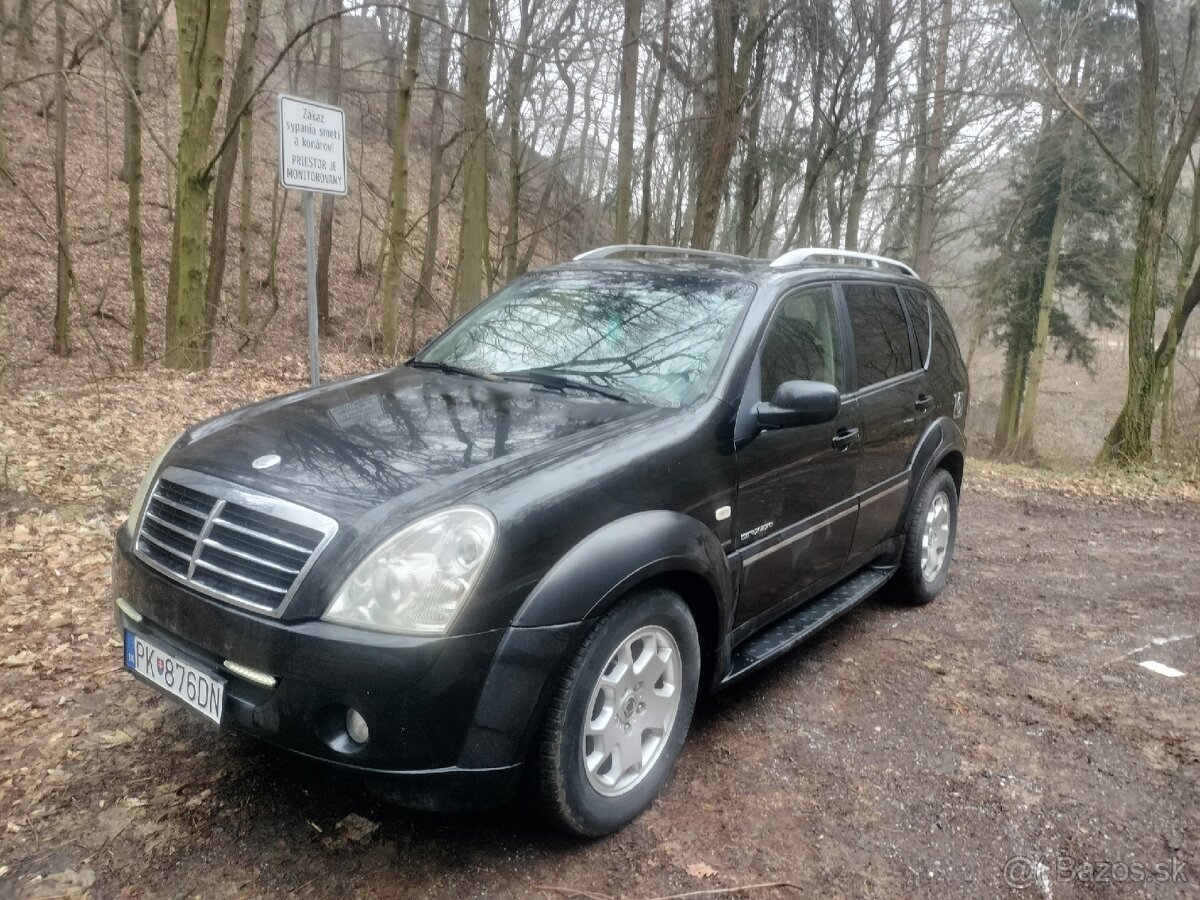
921,577
599,794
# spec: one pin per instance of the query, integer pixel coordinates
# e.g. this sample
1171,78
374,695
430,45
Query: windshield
651,337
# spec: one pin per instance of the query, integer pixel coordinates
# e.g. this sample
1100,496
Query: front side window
881,345
802,341
652,337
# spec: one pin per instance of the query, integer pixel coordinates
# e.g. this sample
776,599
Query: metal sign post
312,159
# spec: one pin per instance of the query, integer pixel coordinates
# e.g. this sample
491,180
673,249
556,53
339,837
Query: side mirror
797,403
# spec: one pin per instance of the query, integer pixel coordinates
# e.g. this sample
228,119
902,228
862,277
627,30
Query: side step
803,623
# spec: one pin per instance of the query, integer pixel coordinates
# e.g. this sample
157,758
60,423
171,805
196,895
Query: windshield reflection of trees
658,337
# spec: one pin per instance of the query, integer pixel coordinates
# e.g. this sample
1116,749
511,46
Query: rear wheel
620,716
930,539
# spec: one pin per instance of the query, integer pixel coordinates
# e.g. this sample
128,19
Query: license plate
201,691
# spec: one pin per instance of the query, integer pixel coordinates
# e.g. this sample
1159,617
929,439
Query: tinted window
881,344
802,341
945,347
654,337
918,313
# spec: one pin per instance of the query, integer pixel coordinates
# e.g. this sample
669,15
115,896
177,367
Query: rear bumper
451,719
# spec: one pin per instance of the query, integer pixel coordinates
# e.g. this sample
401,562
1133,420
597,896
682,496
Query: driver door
796,511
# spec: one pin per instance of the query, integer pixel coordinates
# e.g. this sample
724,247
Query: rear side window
917,304
802,341
945,345
881,344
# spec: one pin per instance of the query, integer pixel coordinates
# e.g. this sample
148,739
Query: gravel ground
999,742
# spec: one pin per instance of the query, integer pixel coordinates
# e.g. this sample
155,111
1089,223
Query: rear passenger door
893,401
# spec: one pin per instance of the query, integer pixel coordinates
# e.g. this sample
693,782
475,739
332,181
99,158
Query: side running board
781,636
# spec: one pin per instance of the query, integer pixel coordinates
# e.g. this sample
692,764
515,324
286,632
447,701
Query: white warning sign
312,146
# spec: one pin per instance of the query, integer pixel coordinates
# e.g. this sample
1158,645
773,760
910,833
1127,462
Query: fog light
356,726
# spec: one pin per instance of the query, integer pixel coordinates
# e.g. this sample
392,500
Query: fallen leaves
701,870
355,829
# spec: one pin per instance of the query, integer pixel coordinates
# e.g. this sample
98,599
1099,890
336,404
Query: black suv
516,559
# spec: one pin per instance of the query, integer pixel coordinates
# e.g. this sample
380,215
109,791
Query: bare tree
202,25
398,194
732,58
62,305
627,99
474,230
325,222
652,117
930,174
437,116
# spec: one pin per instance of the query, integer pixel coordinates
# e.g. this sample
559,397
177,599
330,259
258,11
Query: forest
1035,162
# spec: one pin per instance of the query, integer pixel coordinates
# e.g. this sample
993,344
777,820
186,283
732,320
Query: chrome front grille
247,548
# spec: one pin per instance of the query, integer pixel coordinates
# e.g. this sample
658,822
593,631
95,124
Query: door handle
924,403
845,439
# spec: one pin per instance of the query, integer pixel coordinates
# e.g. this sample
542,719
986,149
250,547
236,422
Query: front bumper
451,719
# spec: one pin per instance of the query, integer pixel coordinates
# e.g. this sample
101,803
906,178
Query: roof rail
656,250
840,257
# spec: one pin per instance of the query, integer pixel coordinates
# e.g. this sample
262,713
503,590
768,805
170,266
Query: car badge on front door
266,461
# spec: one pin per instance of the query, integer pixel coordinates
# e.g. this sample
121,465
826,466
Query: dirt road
904,753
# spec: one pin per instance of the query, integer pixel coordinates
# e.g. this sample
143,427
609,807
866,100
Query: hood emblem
265,462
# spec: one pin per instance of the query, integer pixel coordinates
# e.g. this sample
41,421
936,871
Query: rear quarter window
944,353
917,304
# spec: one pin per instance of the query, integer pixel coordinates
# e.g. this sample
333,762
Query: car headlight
418,580
139,498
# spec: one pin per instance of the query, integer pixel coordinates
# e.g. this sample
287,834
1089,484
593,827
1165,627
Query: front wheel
929,542
620,716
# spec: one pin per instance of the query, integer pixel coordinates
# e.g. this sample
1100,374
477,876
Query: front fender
619,556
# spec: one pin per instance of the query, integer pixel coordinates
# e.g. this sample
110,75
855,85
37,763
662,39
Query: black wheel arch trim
621,555
941,438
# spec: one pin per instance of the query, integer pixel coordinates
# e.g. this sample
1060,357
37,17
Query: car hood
372,439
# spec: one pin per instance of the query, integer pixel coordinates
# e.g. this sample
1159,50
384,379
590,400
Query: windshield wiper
450,369
550,379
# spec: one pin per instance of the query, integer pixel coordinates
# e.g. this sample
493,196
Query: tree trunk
1026,437
628,98
800,232
751,177
513,95
721,131
931,178
325,224
24,28
732,76
1026,434
1129,440
474,229
437,118
202,26
652,124
62,306
391,43
1173,336
398,194
227,168
131,30
884,53
3,127
1009,418
245,220
553,176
